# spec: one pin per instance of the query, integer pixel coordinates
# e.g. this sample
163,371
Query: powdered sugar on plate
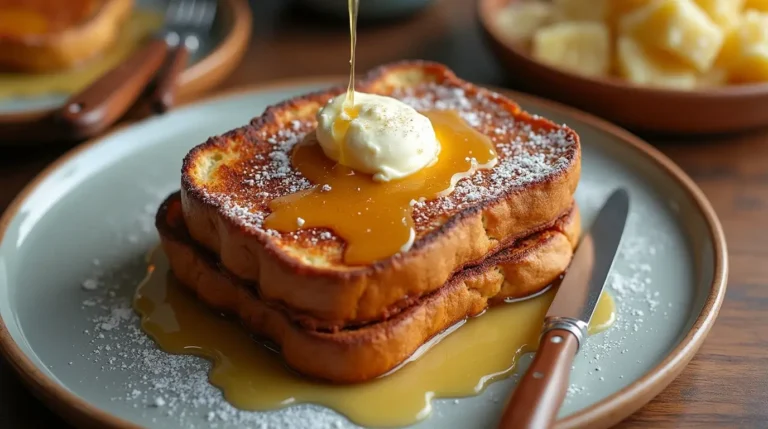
159,384
176,386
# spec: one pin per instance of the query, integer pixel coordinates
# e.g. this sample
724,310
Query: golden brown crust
339,295
365,352
91,29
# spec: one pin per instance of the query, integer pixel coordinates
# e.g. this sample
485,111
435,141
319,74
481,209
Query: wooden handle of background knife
107,99
164,95
537,398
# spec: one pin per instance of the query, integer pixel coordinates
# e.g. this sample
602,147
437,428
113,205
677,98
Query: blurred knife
537,398
103,102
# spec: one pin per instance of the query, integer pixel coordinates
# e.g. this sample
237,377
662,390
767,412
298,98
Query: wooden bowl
711,110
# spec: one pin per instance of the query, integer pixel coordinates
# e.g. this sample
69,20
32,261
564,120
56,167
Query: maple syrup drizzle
462,364
375,218
341,125
353,6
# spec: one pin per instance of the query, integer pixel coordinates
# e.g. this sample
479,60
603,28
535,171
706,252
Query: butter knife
537,398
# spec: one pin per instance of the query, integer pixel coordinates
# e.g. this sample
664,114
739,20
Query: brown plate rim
605,413
485,11
202,75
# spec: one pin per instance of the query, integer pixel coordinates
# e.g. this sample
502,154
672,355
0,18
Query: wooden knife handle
164,95
103,102
537,398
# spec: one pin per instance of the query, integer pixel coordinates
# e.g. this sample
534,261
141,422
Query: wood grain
726,384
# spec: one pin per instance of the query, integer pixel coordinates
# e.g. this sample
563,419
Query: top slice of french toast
228,182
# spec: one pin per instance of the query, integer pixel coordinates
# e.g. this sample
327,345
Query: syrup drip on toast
375,219
341,125
353,7
476,353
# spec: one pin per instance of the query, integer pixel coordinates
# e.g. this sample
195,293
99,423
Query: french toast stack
503,233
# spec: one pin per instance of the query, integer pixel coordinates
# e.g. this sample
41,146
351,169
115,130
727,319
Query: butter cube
725,13
713,78
645,67
579,47
761,5
582,10
745,53
520,20
678,27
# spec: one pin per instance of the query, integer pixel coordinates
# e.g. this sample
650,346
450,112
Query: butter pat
378,135
579,47
678,27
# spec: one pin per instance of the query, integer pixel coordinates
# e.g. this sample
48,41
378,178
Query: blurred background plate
644,109
27,100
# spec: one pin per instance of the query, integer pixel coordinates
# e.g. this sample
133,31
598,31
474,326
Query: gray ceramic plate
87,223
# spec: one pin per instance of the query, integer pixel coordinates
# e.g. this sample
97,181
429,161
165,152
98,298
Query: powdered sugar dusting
526,154
160,385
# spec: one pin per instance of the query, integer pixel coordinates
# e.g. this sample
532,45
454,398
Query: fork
107,99
189,19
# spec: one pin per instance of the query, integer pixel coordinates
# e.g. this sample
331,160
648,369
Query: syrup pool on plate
252,377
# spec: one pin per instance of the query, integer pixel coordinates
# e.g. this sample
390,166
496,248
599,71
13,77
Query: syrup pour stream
375,219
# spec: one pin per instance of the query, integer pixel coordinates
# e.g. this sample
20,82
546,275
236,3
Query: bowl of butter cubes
669,66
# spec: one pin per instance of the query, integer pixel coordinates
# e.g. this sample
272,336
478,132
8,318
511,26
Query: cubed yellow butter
745,53
617,9
725,13
678,27
761,5
582,10
520,20
652,68
713,78
579,47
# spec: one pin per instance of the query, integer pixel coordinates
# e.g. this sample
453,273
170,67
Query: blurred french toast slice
52,35
229,181
358,353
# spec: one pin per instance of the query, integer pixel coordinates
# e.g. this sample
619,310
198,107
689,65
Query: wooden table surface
726,384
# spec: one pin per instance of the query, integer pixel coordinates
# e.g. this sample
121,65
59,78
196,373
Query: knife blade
537,398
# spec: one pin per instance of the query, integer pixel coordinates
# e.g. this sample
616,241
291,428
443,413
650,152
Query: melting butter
479,352
375,218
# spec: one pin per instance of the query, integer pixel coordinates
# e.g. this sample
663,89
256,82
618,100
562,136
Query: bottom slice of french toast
360,353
